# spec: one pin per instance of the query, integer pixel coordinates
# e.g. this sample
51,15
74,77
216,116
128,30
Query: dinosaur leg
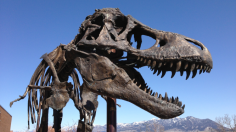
44,121
57,120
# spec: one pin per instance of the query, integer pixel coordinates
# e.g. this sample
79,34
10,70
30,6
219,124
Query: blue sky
28,29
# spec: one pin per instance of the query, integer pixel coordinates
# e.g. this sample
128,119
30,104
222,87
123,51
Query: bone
159,71
197,66
200,67
159,65
141,59
155,70
160,97
188,73
150,92
170,100
149,62
163,73
178,65
145,60
183,106
153,93
166,97
173,74
200,71
171,64
192,67
156,94
180,104
181,72
194,73
154,64
138,58
186,65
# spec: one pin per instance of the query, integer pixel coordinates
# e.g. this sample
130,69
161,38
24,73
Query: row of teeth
154,65
170,100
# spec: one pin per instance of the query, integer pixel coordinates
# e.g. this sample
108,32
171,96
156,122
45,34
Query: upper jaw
173,47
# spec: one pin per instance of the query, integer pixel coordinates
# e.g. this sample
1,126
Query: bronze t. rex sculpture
97,53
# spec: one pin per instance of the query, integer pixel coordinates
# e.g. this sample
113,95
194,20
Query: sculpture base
84,127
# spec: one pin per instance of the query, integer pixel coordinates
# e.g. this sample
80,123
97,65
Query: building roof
5,110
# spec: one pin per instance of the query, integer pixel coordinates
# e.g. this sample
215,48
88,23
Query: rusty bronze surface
111,114
97,53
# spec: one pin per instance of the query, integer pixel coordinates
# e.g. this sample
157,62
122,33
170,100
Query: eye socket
146,42
98,20
121,23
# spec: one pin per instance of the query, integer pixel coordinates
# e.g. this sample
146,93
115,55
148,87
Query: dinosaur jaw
113,81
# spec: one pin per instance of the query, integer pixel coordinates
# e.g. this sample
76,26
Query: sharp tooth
163,73
186,65
194,73
200,71
209,70
173,74
183,106
200,67
136,83
192,67
164,63
159,65
180,104
177,101
150,92
171,64
141,59
133,80
197,66
149,62
145,60
139,86
170,99
145,90
154,64
155,70
138,58
160,97
178,65
156,94
166,96
159,71
188,73
181,73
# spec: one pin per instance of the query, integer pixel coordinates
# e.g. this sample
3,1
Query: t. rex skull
105,36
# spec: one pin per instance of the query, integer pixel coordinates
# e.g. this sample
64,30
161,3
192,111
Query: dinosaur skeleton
97,53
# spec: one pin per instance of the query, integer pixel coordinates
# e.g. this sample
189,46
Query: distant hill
188,124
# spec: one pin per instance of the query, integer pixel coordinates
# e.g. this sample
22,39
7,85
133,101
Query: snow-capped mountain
188,124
